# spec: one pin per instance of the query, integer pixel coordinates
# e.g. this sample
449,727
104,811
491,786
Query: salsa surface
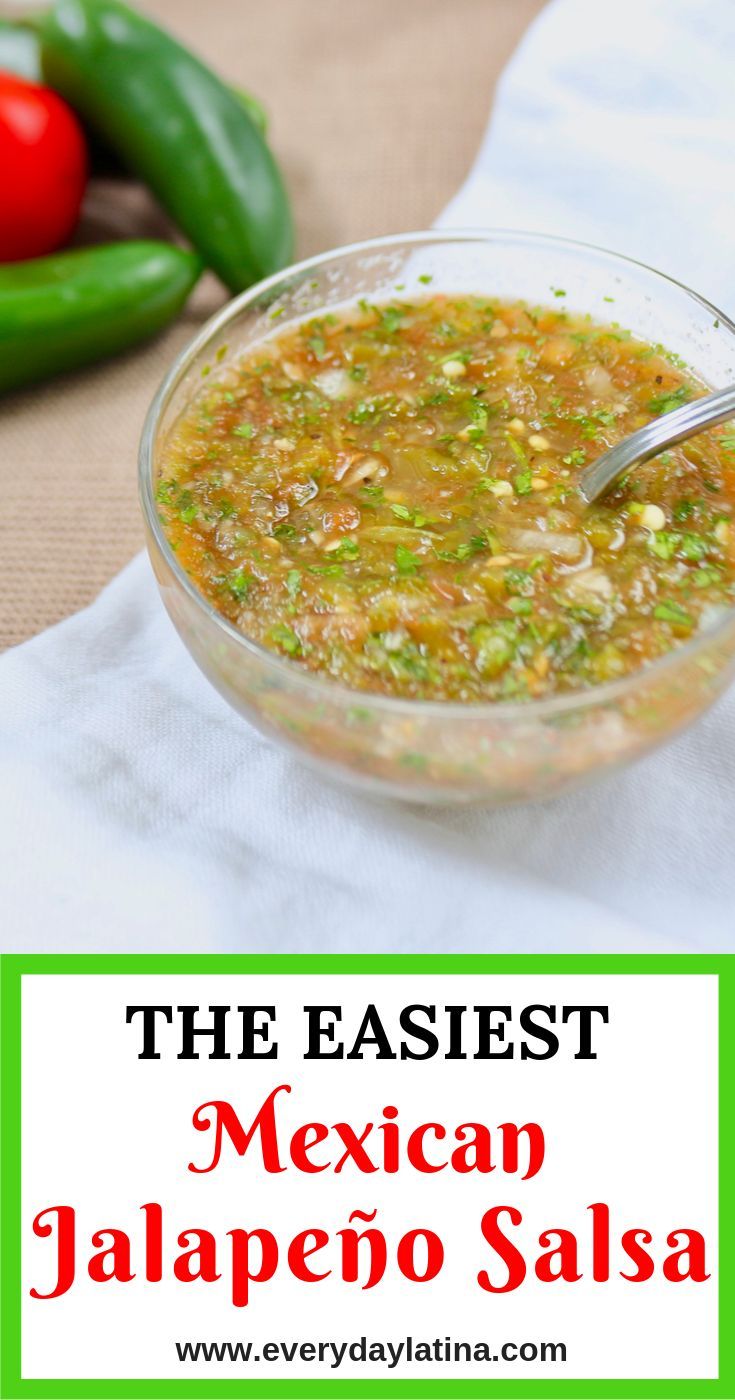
388,498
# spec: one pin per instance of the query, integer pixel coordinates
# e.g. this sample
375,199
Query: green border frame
14,967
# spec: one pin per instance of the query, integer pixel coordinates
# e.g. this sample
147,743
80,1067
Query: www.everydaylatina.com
391,1354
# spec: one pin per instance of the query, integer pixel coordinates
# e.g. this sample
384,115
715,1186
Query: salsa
387,496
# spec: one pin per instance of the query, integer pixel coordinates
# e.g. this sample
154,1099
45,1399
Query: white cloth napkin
140,813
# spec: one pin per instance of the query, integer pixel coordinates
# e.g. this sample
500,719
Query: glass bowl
434,751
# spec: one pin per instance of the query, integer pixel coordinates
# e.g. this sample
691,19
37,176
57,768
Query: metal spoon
655,437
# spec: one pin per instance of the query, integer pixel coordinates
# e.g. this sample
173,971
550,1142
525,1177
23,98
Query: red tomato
43,160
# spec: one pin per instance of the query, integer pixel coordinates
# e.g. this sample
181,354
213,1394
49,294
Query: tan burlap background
376,110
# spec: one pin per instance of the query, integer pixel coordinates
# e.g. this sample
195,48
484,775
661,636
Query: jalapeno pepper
178,127
20,53
74,308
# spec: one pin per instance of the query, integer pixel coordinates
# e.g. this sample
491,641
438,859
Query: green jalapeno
75,308
178,127
20,53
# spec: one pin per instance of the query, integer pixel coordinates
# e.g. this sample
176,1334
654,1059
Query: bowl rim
323,687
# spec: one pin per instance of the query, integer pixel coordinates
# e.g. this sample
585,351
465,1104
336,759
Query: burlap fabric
376,109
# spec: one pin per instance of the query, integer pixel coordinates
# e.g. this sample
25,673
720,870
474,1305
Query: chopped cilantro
516,449
371,494
293,583
419,761
706,578
694,547
665,403
406,561
663,543
463,551
390,319
347,549
683,509
479,415
359,714
496,644
669,611
367,411
327,570
238,583
164,491
286,639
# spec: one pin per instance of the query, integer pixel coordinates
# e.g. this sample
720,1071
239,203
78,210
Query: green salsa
388,497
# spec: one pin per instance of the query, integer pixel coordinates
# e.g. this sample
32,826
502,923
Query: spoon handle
655,437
